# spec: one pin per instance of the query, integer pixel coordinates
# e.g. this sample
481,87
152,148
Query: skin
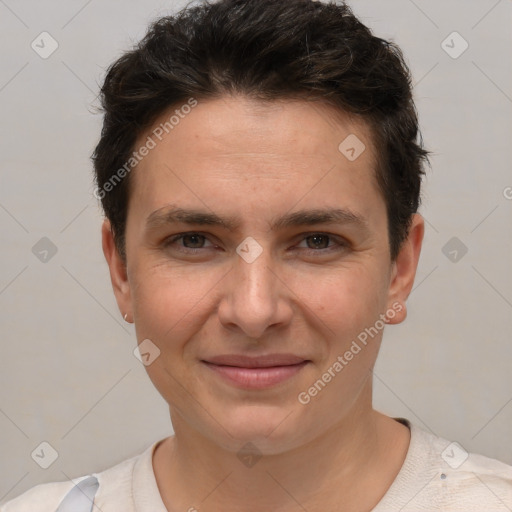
236,156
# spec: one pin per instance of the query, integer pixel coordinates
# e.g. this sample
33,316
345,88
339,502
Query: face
266,269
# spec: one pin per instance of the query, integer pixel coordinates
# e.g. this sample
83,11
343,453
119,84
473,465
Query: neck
348,467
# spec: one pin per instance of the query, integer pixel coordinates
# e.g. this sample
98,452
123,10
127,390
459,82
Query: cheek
347,311
168,306
349,299
168,302
160,315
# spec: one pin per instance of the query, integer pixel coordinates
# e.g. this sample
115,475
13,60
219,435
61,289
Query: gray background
69,376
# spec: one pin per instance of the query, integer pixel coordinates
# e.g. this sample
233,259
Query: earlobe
404,270
117,269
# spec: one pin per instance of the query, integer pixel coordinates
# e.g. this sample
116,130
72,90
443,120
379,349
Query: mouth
256,372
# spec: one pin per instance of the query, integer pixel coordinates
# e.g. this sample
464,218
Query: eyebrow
171,214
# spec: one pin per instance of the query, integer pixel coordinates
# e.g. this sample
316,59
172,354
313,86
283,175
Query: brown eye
318,240
191,242
194,239
322,243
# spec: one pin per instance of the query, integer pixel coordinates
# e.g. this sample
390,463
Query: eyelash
341,244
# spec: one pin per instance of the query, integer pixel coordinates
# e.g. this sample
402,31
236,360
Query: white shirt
426,482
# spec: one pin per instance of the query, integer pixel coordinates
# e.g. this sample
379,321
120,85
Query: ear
118,274
404,270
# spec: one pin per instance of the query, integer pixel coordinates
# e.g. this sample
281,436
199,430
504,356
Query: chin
270,429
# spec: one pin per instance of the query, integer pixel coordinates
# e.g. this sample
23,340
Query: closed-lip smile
255,372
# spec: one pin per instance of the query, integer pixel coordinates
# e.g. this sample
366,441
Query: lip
264,361
256,372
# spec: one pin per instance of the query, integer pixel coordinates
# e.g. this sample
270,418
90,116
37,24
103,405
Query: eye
196,240
319,243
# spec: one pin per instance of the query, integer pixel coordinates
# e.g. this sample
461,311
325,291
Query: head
260,116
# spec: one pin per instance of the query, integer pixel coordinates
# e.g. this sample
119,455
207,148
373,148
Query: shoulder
463,480
478,483
40,498
114,486
439,475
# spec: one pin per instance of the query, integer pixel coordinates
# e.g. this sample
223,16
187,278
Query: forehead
289,126
239,148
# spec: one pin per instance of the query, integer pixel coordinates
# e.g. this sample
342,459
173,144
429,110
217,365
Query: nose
255,296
